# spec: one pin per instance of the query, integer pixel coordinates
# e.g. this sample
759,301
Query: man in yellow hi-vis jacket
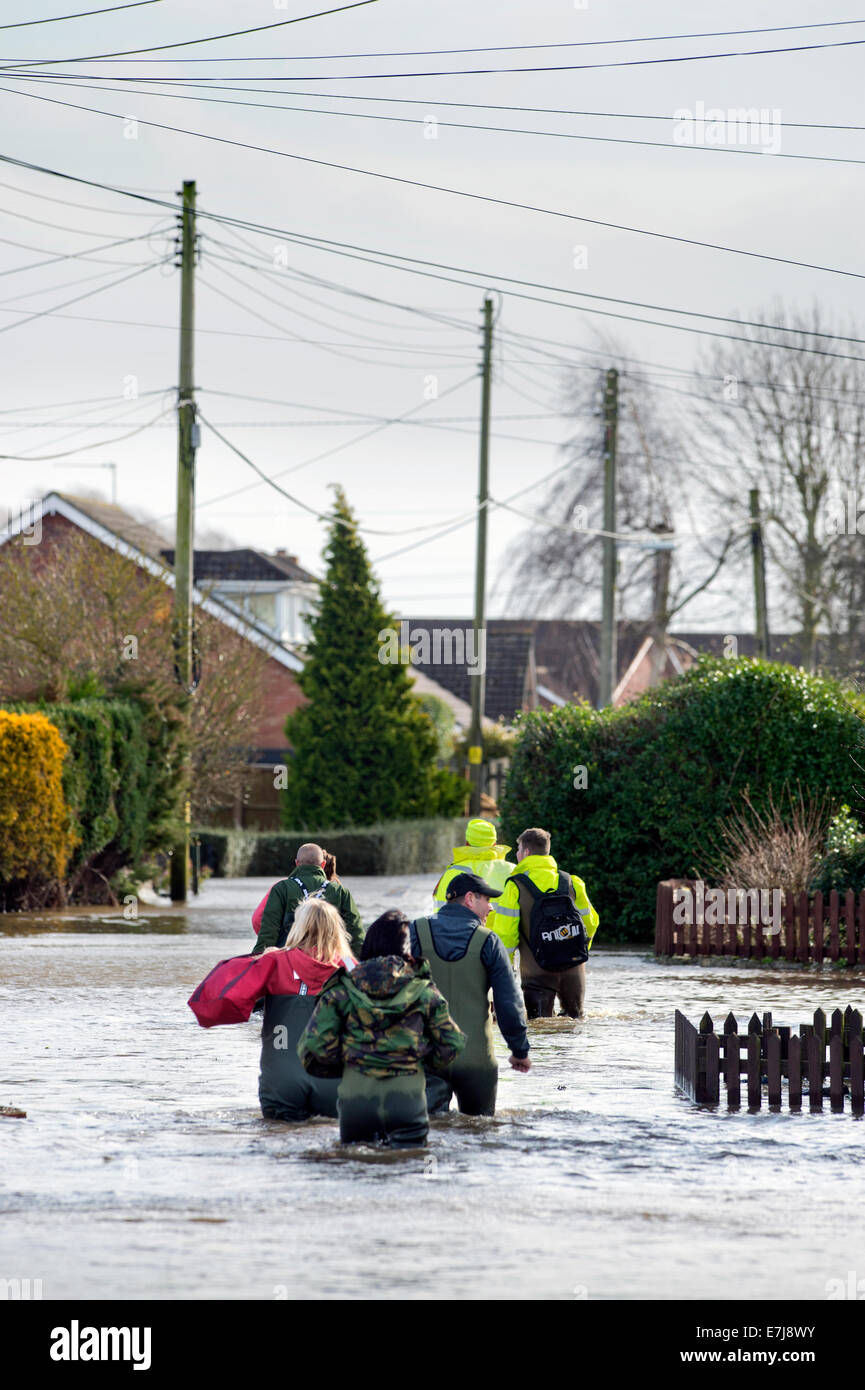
510,920
479,855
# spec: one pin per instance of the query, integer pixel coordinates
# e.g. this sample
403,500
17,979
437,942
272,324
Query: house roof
73,509
510,666
144,535
246,563
567,651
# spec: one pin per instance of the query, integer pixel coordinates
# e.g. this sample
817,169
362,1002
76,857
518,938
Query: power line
445,324
189,43
367,255
321,516
214,85
69,255
338,349
456,72
364,337
318,458
17,426
355,414
100,444
459,125
456,526
86,400
58,226
41,313
454,192
517,47
82,14
64,284
67,203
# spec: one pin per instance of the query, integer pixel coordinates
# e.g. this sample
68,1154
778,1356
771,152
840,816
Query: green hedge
120,778
843,869
394,847
664,770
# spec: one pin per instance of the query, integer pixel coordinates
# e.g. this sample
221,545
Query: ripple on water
145,1168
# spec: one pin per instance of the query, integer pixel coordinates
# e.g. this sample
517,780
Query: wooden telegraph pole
607,674
187,442
758,554
478,681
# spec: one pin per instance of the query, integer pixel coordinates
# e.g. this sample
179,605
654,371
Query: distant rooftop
244,564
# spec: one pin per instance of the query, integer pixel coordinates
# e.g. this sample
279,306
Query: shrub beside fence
814,927
395,847
770,1055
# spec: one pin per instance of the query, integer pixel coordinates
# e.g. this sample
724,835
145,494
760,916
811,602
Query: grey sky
403,477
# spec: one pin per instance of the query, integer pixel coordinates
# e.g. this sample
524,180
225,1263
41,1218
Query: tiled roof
141,534
509,667
567,651
249,564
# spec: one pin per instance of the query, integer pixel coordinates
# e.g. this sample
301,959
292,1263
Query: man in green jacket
307,881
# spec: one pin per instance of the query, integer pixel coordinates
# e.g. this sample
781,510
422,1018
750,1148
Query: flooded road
144,1168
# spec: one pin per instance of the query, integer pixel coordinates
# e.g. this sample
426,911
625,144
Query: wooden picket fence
814,928
770,1056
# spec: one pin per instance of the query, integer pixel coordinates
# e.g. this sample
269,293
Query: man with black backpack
548,915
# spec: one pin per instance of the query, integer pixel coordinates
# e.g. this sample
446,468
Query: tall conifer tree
364,750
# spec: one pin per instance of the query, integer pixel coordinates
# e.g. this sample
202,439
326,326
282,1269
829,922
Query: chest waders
465,985
389,1108
285,1090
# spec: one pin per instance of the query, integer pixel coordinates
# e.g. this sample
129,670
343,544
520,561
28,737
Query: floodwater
144,1168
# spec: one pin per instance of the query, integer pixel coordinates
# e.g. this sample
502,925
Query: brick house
240,590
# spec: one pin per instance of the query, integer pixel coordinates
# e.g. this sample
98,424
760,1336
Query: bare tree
79,617
785,413
556,565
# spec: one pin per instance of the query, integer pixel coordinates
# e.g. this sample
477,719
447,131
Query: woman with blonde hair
290,979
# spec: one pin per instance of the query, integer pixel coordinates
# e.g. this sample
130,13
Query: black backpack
557,936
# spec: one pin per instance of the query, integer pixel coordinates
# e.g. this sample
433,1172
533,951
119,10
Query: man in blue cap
466,961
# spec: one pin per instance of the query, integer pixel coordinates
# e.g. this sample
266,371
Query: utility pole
758,555
478,681
607,674
187,442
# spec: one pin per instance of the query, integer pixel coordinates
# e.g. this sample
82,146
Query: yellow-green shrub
36,837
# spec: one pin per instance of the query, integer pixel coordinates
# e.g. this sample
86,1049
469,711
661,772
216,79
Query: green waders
474,1076
392,1108
285,1090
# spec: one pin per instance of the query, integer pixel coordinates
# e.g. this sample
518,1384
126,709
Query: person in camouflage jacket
375,1027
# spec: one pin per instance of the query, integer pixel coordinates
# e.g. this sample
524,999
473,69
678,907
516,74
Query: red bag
228,993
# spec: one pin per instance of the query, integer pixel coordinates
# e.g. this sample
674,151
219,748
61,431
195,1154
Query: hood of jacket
386,984
533,862
467,854
310,875
297,967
